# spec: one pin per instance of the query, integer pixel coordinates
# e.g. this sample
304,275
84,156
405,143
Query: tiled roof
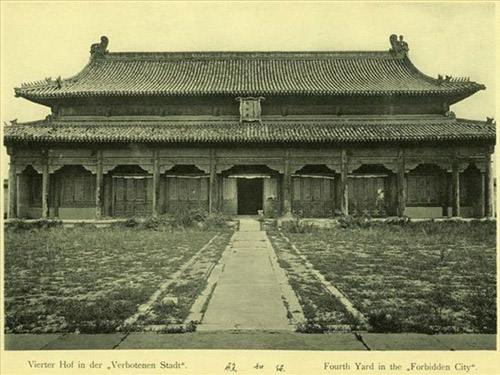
247,73
333,130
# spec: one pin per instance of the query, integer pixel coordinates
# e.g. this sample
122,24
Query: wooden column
156,182
401,183
12,189
455,183
447,191
213,200
99,186
56,185
489,188
287,187
344,193
482,195
45,186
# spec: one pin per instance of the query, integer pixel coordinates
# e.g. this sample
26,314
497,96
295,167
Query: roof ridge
343,120
268,55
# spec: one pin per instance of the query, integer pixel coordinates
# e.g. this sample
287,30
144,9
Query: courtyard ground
79,281
426,277
90,280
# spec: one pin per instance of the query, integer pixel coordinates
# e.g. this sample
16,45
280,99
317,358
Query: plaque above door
250,109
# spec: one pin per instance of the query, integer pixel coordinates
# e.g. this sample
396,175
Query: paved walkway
251,340
248,294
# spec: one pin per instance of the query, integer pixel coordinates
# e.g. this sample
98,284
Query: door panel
313,196
229,197
368,195
131,196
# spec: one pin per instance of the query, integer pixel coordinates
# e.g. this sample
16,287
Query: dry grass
86,279
421,277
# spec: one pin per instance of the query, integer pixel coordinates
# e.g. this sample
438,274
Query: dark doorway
249,195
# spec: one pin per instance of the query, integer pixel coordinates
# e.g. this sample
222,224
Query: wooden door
132,196
271,197
229,196
313,196
368,194
185,193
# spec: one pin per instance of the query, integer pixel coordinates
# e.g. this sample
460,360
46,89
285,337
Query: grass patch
321,309
425,277
185,289
86,279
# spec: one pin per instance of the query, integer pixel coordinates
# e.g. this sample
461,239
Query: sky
51,39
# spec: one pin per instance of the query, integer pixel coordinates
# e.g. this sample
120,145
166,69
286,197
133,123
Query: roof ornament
398,46
490,121
450,114
460,79
13,122
98,50
446,78
250,109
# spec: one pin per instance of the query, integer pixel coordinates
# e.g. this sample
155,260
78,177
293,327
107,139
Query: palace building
310,133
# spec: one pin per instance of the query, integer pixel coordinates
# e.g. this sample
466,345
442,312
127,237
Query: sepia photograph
255,176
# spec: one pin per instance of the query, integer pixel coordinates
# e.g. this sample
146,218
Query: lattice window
35,190
425,190
77,190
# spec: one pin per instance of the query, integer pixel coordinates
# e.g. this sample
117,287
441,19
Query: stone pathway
251,340
249,292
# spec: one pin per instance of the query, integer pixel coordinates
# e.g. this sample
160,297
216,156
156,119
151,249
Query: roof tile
248,73
334,130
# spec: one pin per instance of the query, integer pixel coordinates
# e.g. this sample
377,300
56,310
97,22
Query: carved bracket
20,168
278,167
352,165
106,168
219,168
92,168
294,167
165,167
411,165
480,165
204,167
334,167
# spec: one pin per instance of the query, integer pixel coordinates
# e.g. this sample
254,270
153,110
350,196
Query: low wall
77,213
424,212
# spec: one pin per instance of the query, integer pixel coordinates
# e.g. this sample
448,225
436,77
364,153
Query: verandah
349,185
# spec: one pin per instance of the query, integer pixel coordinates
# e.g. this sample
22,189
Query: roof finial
99,49
398,47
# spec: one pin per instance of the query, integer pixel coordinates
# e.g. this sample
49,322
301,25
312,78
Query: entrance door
249,195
